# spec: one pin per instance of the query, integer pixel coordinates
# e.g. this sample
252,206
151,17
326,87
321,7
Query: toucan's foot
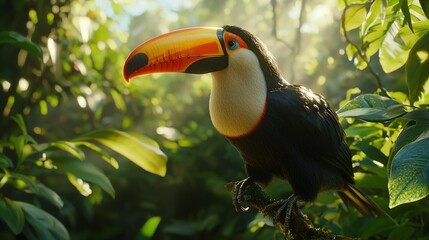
237,194
284,209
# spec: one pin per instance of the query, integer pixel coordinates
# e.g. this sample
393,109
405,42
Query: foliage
62,78
27,165
398,31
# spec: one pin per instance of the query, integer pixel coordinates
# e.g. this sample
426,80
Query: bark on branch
300,228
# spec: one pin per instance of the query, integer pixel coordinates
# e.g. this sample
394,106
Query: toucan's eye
232,44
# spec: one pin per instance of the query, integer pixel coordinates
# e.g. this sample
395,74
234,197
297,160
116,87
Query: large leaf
407,136
139,149
354,16
393,53
39,189
85,171
372,108
43,225
417,68
105,156
16,39
11,214
409,178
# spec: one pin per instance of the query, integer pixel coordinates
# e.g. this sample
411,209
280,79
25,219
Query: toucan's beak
191,50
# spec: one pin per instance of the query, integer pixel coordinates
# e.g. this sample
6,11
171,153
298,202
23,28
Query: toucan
280,130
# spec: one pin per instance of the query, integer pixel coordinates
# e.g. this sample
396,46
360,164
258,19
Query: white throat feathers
238,95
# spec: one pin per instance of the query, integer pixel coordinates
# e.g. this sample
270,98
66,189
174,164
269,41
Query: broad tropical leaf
372,108
141,150
408,178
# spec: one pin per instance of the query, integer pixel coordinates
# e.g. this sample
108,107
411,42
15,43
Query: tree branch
300,228
361,54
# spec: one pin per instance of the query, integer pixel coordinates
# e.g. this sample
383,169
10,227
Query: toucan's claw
284,208
237,194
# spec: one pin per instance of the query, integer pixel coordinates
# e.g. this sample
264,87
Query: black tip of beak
135,63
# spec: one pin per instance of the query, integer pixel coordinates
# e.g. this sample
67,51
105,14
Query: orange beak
191,50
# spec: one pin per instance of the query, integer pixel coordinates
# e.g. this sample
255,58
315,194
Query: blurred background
77,86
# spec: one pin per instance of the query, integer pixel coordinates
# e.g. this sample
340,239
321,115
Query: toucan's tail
353,196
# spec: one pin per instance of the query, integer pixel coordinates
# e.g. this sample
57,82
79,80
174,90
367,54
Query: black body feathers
299,140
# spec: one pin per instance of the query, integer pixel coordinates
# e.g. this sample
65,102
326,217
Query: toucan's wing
308,120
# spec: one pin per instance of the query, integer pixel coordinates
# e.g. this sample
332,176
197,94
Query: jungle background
79,147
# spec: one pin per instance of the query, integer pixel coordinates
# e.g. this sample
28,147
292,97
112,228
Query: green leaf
148,229
408,135
11,214
19,148
409,175
373,16
418,115
371,151
141,150
362,131
393,53
85,171
109,159
18,40
372,108
19,120
408,37
69,147
39,189
417,68
406,11
118,100
44,225
5,162
354,16
66,146
425,6
50,195
27,180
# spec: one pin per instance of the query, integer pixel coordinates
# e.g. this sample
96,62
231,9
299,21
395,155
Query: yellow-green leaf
417,68
354,16
141,150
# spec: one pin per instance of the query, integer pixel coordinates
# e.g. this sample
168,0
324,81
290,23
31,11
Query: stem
360,52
